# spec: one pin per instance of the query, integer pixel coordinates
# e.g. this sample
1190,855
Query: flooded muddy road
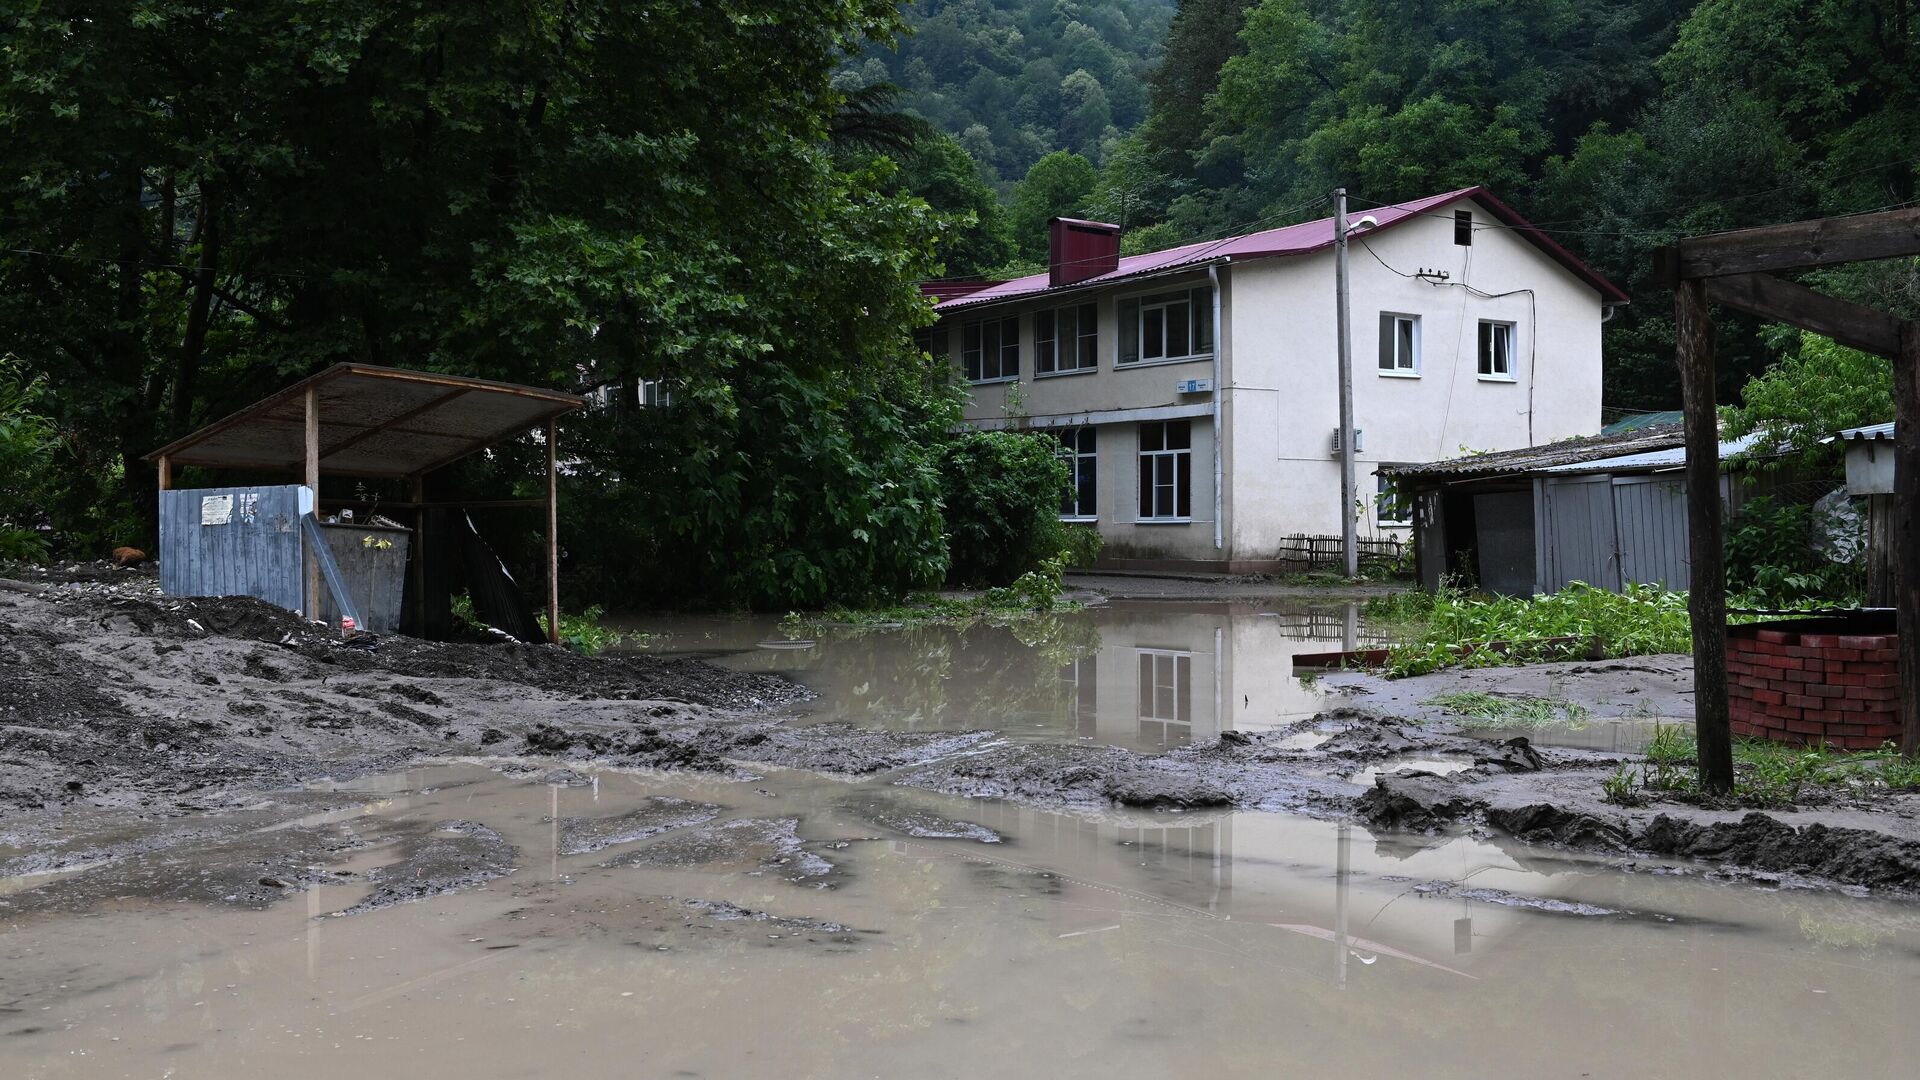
666,925
825,890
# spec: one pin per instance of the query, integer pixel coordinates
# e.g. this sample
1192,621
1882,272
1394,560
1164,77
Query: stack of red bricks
1814,688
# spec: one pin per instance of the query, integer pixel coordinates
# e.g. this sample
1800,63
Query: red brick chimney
1078,250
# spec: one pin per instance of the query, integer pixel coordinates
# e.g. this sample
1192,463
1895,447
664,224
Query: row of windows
1166,476
1400,346
1171,327
1166,472
1158,328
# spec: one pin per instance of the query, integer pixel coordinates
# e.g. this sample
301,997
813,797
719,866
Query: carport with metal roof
373,422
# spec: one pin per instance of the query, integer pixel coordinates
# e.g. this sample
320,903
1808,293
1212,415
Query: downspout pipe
1219,436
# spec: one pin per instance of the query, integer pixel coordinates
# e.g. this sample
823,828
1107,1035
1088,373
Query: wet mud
167,707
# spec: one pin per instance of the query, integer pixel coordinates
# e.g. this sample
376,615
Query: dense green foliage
204,201
1772,561
1002,504
1816,389
1014,80
26,449
1428,628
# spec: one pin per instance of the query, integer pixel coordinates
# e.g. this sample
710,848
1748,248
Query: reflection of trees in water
981,674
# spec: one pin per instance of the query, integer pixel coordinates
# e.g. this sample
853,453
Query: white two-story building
1197,388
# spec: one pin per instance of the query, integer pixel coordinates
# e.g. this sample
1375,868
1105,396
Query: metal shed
350,420
1607,510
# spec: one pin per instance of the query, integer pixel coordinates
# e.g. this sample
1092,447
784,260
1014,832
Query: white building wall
1283,397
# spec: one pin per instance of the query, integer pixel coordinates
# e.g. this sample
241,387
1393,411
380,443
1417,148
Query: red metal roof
1302,239
954,288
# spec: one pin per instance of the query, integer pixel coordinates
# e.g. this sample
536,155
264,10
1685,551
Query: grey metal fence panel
239,541
1580,544
1651,517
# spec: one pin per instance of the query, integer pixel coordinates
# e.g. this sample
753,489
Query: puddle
1620,736
1224,944
1433,763
1147,676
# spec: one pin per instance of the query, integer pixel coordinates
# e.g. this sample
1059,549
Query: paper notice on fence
216,509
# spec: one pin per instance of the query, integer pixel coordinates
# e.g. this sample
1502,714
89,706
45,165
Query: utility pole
1349,543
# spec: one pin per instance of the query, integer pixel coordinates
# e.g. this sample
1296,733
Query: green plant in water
583,633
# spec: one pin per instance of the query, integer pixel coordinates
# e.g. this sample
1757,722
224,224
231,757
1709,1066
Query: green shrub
1771,560
1001,493
1081,545
1430,626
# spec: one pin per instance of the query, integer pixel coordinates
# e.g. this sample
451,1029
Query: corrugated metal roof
1302,239
943,289
1534,458
1655,460
1870,432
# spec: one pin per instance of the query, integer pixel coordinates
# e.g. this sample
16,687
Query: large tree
204,199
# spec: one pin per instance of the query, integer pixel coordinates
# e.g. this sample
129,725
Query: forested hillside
1616,124
1014,80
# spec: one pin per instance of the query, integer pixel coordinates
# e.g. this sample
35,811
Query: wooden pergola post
163,469
1707,593
553,532
1735,270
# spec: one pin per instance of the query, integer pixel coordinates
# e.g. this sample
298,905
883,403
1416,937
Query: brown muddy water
794,925
1144,675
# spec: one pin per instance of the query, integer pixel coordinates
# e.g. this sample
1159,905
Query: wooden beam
1906,536
553,532
312,479
442,504
1801,244
1707,592
387,425
164,467
1853,325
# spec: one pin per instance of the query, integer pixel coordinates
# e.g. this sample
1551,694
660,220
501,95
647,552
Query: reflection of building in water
1169,675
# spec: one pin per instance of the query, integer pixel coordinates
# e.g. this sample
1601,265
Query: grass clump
1499,711
1432,628
1036,592
1768,773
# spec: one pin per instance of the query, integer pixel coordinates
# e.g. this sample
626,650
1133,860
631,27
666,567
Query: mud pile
178,704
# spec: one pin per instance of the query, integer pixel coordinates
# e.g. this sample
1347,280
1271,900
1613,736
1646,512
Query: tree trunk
193,342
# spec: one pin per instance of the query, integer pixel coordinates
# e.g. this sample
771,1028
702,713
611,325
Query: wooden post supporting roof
553,532
311,477
1734,269
1906,537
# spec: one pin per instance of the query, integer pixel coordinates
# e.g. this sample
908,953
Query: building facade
1196,389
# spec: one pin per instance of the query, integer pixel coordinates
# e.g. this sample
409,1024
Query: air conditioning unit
1359,441
1193,386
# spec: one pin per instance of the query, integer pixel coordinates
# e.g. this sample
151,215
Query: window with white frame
1066,340
1166,326
1166,696
655,393
990,349
1389,506
1077,503
1496,350
1399,344
1166,471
